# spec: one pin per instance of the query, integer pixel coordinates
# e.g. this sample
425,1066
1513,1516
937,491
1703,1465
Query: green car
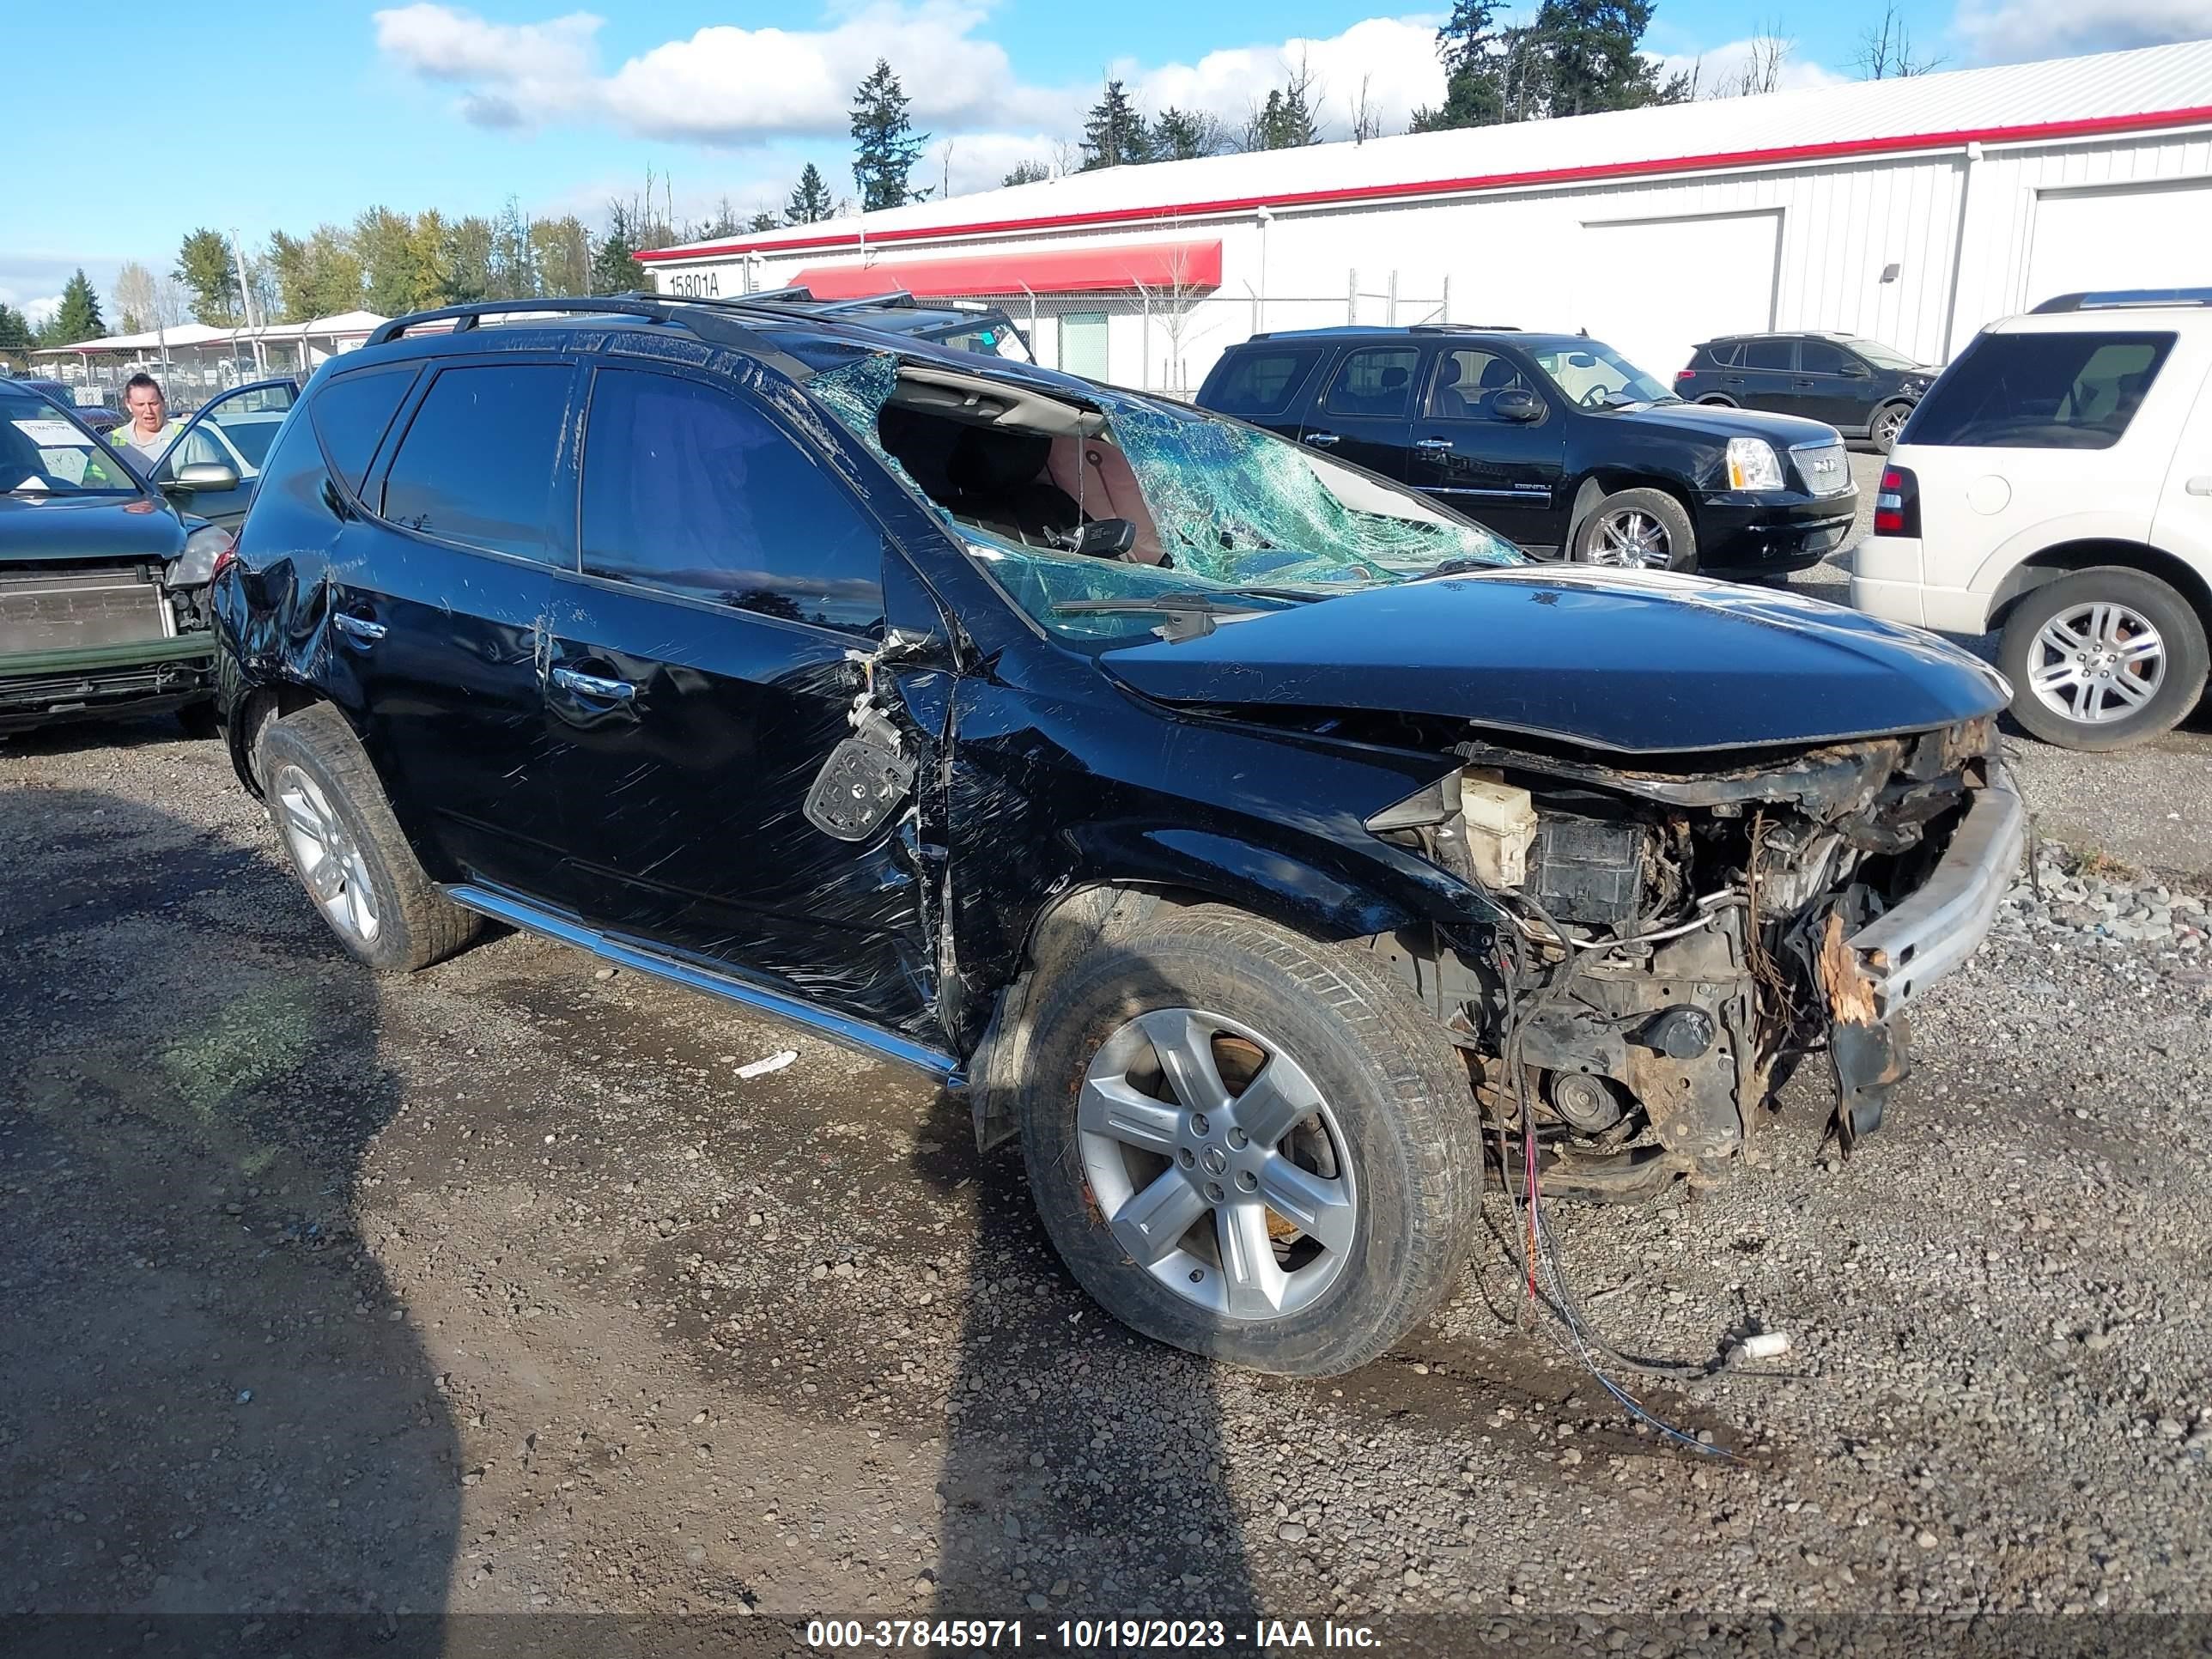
103,578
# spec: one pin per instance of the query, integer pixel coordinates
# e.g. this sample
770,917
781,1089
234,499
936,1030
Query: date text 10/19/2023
1086,1635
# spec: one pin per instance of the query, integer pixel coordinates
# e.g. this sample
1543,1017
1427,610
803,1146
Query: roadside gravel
498,1289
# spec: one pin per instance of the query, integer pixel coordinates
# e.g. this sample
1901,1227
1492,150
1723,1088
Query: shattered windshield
1165,509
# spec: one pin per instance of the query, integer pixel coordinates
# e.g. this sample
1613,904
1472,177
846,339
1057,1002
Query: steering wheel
1593,397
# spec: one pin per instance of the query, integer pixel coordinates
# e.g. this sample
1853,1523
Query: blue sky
284,116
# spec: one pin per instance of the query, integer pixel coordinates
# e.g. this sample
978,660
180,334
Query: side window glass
1726,353
351,412
690,489
1375,383
2041,390
1466,382
476,464
249,420
1264,382
1819,357
1770,353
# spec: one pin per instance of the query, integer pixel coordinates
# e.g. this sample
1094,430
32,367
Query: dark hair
138,381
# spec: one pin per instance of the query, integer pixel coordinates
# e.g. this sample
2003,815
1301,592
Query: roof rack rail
1464,328
2120,298
675,311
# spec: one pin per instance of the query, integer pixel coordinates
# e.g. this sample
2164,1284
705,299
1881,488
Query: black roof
774,331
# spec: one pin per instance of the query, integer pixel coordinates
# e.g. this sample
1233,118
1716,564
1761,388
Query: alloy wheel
330,862
1886,429
2096,663
1632,539
1222,1171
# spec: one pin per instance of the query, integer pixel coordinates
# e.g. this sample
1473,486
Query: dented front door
702,666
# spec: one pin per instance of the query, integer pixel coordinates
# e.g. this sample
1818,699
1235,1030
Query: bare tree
1761,71
134,298
1171,303
1886,51
1366,118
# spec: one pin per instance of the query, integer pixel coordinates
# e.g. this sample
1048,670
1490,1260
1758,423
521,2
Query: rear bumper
40,687
1886,581
1771,534
1906,949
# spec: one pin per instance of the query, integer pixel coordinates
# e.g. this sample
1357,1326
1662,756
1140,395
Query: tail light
1897,504
1686,373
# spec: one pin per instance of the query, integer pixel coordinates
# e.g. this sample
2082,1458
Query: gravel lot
497,1289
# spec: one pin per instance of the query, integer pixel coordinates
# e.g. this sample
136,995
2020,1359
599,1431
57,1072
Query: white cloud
36,312
1720,70
724,84
1394,58
982,161
2010,31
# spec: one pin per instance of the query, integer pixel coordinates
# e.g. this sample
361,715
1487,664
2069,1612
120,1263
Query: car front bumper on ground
1934,929
1772,534
143,675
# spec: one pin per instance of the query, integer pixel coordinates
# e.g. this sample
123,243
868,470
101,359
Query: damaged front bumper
1891,961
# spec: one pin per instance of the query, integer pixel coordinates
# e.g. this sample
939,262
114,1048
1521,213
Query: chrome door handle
1319,440
360,627
2200,486
593,685
1432,443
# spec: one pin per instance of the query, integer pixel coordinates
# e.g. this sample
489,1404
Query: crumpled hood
1639,662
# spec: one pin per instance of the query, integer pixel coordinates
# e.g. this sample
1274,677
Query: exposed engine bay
1679,941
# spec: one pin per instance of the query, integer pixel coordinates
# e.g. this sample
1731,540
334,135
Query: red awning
1171,265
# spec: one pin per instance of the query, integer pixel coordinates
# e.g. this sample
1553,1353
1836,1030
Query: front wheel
2103,658
1248,1145
1637,530
1888,421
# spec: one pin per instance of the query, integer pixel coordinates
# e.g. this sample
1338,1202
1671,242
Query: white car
2056,481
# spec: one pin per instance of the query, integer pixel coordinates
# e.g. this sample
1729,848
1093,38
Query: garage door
1654,289
2146,236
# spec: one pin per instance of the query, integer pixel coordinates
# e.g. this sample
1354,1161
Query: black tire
415,924
1398,1091
198,720
2180,688
1888,421
1673,520
1717,402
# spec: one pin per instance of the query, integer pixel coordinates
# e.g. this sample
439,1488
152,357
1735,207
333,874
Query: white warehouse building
1912,210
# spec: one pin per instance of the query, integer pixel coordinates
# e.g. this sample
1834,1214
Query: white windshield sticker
50,431
68,464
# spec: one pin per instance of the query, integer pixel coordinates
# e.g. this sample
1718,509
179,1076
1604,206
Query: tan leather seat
1097,475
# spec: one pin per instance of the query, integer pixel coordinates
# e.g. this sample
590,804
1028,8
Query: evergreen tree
613,266
205,267
1592,60
1283,122
763,220
1027,173
810,202
79,317
513,271
1115,133
1181,135
384,242
16,336
1475,53
885,146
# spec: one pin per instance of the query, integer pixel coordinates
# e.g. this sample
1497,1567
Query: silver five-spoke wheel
1220,1167
329,861
2097,662
1633,539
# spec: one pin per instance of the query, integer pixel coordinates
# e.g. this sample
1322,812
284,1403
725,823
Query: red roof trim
1080,269
2198,115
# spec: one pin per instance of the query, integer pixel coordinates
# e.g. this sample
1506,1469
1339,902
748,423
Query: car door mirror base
859,787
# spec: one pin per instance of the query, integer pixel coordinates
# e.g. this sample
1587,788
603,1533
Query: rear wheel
347,848
2103,658
1248,1145
1888,421
1637,530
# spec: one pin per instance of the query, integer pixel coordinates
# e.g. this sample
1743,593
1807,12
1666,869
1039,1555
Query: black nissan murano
1255,840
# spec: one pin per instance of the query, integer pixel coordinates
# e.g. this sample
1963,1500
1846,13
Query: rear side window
351,412
1262,382
1375,383
1768,354
2041,390
476,464
1721,354
690,488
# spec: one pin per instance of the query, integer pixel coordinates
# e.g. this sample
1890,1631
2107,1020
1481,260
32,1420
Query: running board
858,1035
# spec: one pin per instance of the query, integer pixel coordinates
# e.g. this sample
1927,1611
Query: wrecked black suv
1255,839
